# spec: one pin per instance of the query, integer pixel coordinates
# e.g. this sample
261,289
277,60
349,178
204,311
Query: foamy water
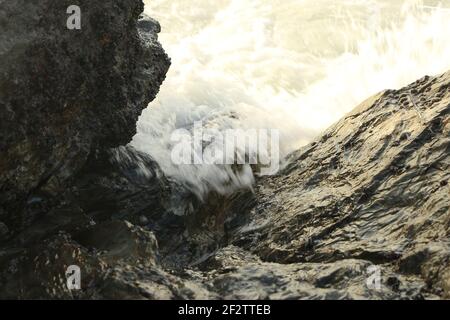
292,65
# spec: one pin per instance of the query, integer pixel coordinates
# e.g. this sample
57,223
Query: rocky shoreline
368,197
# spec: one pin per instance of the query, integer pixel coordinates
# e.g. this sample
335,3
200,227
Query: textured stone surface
65,94
372,193
66,98
374,187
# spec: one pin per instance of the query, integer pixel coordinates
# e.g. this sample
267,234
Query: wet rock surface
68,94
361,213
367,199
66,98
373,189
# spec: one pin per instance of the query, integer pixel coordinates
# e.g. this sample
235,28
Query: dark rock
64,94
120,183
120,241
39,271
3,231
69,219
67,99
361,213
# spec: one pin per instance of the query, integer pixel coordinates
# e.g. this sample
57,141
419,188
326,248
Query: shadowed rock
368,198
67,94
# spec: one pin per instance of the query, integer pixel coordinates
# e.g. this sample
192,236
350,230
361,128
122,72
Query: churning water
292,65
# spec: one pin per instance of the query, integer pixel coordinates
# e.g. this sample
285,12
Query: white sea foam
292,65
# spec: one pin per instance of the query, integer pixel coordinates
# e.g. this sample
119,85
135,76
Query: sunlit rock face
68,94
373,190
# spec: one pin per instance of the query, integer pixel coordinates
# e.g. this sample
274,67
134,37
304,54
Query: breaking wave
296,66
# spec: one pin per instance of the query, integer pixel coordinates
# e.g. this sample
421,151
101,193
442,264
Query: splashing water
292,65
